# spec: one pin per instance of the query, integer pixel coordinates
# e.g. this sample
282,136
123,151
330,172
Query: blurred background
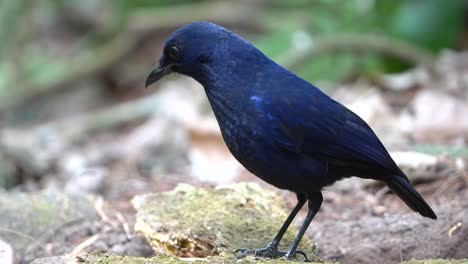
75,118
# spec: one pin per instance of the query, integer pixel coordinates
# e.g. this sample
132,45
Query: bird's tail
410,196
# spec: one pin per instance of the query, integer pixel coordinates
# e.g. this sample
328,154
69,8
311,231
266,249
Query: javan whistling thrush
280,127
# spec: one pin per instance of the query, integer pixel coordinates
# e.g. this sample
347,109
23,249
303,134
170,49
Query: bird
281,128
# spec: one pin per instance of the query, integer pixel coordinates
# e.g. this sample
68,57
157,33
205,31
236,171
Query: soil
356,224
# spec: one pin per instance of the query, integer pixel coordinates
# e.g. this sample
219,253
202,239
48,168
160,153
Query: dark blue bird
280,127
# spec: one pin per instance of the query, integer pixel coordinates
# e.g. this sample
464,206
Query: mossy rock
196,222
97,258
26,219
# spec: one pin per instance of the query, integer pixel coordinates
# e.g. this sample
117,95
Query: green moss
43,211
99,258
25,216
161,259
193,222
437,261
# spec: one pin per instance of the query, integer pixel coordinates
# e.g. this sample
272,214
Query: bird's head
189,50
200,50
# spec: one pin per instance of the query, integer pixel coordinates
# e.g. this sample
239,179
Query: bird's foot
269,252
266,252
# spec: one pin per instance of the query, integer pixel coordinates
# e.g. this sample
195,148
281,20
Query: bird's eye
173,53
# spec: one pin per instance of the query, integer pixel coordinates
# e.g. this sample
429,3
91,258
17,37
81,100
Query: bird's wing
313,124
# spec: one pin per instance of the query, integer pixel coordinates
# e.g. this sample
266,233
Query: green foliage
131,4
10,12
433,24
277,42
442,150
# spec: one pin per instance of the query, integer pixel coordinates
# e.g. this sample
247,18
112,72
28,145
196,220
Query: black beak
157,73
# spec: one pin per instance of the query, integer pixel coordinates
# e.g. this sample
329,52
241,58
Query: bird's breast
238,130
244,128
242,138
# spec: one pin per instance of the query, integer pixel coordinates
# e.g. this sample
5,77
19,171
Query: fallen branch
358,44
34,148
140,26
79,249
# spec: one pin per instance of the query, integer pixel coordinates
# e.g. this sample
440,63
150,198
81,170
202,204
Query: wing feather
311,123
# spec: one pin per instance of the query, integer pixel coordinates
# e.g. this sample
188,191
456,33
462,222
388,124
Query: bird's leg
271,250
301,199
315,201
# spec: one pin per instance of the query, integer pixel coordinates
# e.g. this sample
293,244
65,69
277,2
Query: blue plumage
280,127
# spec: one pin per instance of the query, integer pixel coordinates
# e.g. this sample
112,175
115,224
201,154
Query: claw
239,250
244,252
268,252
300,252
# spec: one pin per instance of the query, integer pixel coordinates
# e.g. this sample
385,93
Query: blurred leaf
6,78
332,68
276,43
132,4
41,70
10,11
434,24
442,150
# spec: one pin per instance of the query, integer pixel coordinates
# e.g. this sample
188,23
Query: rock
55,260
96,258
29,220
427,123
195,222
421,167
6,253
414,160
157,145
404,80
87,180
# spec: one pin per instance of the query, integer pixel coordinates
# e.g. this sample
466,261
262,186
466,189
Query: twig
223,13
140,26
18,233
454,228
78,249
125,225
46,236
81,68
66,132
98,206
358,43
